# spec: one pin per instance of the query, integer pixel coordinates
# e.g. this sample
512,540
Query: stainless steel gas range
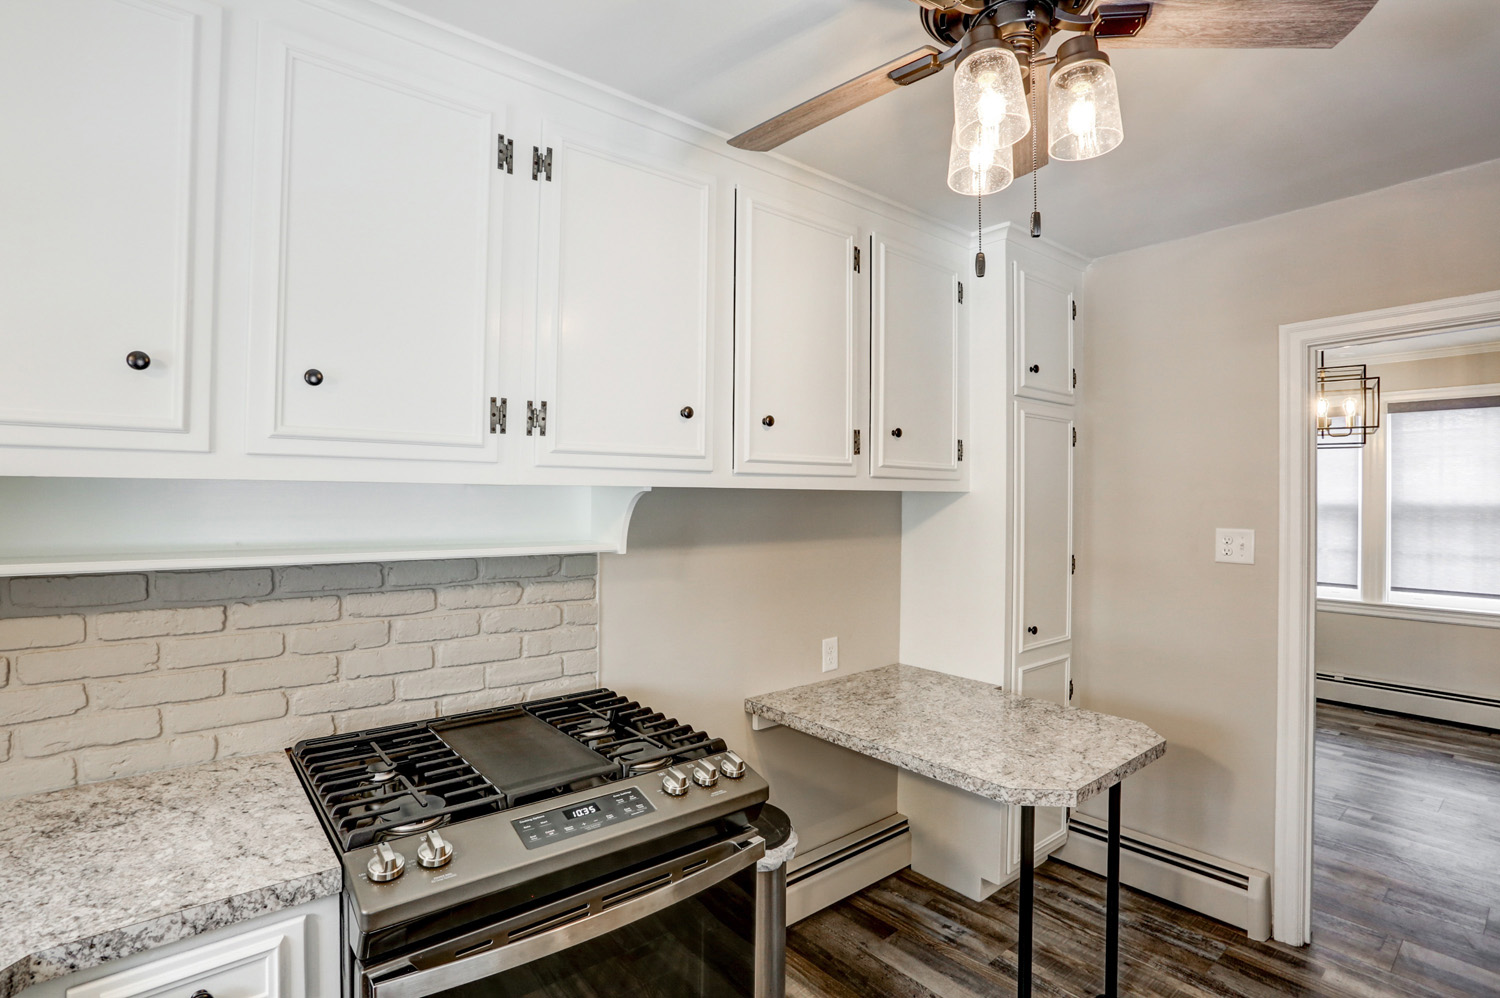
576,846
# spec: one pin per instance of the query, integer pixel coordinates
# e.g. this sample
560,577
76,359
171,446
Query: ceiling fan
1003,125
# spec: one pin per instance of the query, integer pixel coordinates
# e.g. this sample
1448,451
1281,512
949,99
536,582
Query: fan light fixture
981,170
989,101
1083,102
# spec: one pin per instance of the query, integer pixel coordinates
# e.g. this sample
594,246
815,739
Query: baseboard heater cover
832,872
1226,891
1421,701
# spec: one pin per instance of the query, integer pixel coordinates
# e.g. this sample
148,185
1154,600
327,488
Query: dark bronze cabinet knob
313,377
1036,369
138,360
1031,629
896,432
687,412
768,421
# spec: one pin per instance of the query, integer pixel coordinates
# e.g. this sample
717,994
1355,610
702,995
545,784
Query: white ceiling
1213,137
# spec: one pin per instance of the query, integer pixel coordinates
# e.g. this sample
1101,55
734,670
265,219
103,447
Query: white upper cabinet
917,334
1044,524
379,213
631,230
109,126
1044,311
800,336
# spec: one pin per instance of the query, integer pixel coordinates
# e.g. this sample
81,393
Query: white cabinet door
378,234
1044,308
109,127
916,338
1043,524
626,301
799,340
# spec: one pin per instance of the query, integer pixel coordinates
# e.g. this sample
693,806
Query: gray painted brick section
376,717
105,728
523,671
561,639
577,663
522,618
441,682
22,633
386,661
85,663
158,623
482,595
80,590
580,566
220,650
388,604
439,628
23,778
559,591
522,567
430,573
282,673
341,696
473,651
557,687
144,757
580,613
268,736
327,578
4,745
222,712
280,612
4,671
18,706
338,637
480,700
206,587
157,689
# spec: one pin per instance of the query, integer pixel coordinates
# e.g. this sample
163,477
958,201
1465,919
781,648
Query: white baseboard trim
1216,887
834,871
1382,694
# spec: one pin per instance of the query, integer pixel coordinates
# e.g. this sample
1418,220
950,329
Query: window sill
1427,614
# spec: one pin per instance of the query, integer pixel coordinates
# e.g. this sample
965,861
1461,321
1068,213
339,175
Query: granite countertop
968,734
101,871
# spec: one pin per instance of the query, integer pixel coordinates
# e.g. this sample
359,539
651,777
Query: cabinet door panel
625,309
378,246
1044,524
1045,680
106,212
796,348
915,337
1044,335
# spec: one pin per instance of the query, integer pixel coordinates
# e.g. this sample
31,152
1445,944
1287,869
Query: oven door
686,928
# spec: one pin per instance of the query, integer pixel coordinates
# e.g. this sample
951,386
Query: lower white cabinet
293,953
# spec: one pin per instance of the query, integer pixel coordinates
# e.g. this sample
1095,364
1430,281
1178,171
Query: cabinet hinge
506,159
960,450
1075,310
1075,436
1072,564
536,419
497,415
856,259
960,292
541,164
1070,689
856,441
1075,377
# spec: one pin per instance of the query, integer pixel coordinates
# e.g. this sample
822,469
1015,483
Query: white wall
1178,435
724,594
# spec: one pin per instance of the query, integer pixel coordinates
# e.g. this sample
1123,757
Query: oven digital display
547,827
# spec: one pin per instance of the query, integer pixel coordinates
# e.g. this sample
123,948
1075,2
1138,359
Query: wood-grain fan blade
1245,24
827,105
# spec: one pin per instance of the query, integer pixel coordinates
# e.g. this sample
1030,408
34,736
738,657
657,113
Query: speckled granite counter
968,734
99,872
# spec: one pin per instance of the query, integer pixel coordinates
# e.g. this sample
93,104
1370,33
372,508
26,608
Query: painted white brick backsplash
109,676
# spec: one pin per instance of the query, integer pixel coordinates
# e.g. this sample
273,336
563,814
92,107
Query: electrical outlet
1235,546
830,654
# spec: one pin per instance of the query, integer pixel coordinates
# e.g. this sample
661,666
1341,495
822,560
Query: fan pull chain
1036,215
979,257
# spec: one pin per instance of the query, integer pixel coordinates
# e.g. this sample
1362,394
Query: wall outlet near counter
1235,546
830,654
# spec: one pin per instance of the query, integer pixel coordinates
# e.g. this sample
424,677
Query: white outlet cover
830,654
1234,545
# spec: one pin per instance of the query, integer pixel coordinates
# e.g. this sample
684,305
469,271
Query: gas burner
649,766
380,771
415,812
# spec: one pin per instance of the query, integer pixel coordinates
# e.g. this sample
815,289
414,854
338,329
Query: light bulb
1351,406
1083,103
1322,408
989,100
1082,117
984,169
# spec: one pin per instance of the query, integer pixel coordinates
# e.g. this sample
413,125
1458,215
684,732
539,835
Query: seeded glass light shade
989,102
981,170
1083,103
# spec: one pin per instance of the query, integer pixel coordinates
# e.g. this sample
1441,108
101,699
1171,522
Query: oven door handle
420,982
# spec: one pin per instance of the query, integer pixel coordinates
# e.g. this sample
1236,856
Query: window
1444,501
1339,483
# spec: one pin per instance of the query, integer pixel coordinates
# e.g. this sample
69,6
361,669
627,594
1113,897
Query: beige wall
726,593
1178,435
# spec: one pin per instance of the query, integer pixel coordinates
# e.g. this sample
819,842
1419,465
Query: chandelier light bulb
984,169
1351,406
1322,408
1083,103
989,100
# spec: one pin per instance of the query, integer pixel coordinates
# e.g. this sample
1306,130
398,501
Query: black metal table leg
1112,900
1028,890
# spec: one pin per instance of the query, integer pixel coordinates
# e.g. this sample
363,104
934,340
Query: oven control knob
732,766
675,782
705,773
434,851
386,865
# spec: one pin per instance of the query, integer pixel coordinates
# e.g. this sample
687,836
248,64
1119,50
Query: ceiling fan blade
1021,151
1248,24
828,105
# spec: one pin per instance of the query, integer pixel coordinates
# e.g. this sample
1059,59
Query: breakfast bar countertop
101,871
968,734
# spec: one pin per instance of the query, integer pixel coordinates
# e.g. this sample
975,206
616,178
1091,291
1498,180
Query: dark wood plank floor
1406,900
